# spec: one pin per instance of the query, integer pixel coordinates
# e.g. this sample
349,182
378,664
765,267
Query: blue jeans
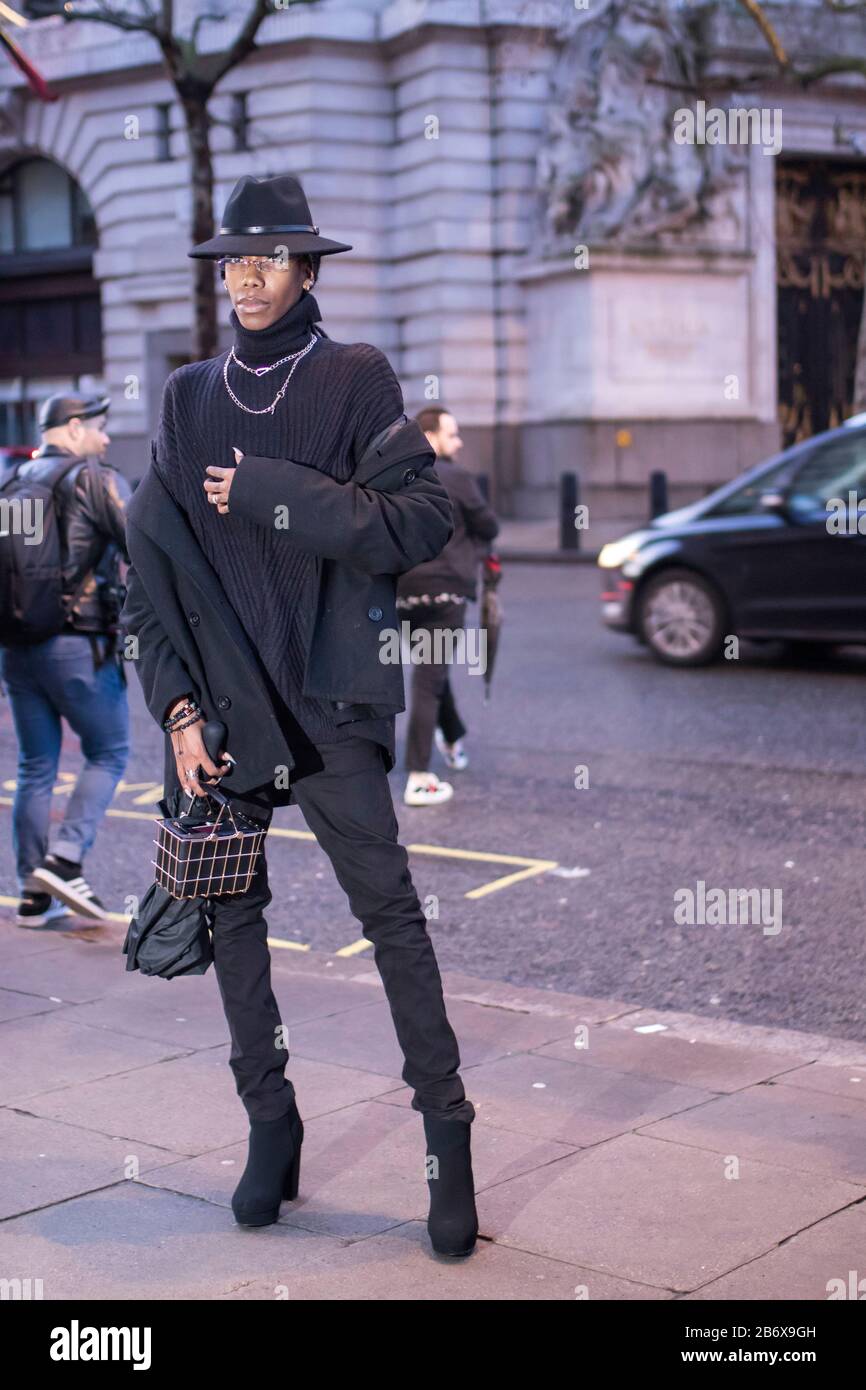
44,682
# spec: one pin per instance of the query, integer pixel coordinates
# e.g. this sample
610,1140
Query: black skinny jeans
348,806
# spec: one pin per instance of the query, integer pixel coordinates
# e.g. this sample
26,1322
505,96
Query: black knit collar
287,334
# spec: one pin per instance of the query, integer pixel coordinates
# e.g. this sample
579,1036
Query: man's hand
189,751
219,484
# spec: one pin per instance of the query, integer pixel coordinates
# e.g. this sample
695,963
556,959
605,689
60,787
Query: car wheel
681,618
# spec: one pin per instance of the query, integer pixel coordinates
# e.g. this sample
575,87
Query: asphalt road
747,775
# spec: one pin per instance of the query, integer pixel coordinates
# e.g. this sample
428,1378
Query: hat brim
99,407
267,244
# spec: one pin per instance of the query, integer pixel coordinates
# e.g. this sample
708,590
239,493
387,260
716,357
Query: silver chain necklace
294,358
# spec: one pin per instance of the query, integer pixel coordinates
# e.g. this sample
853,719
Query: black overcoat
392,514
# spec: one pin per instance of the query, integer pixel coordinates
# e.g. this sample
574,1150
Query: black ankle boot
453,1221
273,1169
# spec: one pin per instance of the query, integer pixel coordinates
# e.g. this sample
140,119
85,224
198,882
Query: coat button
409,476
194,619
224,702
374,613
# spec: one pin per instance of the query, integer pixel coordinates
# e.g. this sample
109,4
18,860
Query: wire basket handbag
203,859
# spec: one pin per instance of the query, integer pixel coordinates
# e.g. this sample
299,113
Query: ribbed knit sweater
340,396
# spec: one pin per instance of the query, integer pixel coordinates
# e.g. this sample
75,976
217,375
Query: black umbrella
170,936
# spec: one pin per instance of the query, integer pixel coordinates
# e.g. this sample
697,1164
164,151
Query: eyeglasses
261,264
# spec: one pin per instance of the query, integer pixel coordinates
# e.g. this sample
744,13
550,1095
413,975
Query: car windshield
747,499
831,469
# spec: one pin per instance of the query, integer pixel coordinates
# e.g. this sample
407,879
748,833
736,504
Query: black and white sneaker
64,880
38,909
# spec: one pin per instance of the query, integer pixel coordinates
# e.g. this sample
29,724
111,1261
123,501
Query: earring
308,284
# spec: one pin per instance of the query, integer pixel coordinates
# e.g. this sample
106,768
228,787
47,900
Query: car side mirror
774,500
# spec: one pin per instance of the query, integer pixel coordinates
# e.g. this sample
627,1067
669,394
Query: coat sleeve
384,529
372,530
479,517
103,494
164,678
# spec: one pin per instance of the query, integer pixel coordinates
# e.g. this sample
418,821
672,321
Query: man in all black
287,392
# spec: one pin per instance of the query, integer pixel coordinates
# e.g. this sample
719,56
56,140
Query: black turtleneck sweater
340,396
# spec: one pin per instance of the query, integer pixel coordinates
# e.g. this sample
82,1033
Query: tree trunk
204,320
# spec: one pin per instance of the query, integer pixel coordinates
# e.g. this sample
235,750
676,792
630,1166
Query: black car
778,553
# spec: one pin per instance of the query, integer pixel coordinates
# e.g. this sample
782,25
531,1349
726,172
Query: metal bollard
569,499
658,493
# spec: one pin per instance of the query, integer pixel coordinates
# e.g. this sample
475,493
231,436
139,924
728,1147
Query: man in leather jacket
76,675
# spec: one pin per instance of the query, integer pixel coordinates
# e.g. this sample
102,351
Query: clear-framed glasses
260,263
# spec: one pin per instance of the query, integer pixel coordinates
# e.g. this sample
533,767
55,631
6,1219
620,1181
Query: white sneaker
452,752
425,789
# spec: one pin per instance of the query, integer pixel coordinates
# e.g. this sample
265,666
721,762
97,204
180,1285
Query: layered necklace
293,357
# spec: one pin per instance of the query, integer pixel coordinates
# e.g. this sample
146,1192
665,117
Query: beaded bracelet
179,728
188,708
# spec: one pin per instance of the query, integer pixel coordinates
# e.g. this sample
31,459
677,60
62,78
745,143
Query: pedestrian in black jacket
432,597
265,541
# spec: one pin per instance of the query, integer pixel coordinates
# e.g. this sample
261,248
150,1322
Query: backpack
32,603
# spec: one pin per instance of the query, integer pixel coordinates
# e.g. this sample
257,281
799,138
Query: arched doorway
50,312
821,251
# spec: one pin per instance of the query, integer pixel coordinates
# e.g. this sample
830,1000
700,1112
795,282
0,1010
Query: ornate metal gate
821,248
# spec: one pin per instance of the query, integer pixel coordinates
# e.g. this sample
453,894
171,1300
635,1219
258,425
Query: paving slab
142,1243
367,1037
45,1053
789,1125
657,1213
14,1004
45,1161
16,943
711,1066
189,1105
815,1264
186,1012
75,973
849,1082
398,1266
575,1105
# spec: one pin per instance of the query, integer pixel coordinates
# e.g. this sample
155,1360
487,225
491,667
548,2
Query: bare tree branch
776,46
830,66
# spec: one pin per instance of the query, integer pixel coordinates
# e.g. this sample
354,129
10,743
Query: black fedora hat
262,216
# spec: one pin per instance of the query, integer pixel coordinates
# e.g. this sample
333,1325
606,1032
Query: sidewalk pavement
672,1157
537,542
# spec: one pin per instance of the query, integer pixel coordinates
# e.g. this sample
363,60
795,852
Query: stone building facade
533,246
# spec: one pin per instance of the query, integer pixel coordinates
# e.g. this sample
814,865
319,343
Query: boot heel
293,1176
